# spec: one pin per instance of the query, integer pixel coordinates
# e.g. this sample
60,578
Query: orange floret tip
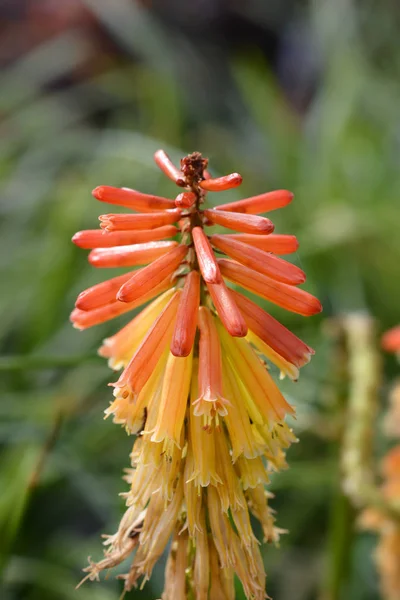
227,309
186,320
101,293
260,204
287,296
148,277
97,238
260,261
163,161
131,198
82,319
239,222
273,333
220,184
185,200
207,262
121,222
275,242
390,465
129,256
391,340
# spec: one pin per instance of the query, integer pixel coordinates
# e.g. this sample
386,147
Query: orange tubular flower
95,238
239,222
208,416
263,262
276,243
260,204
391,340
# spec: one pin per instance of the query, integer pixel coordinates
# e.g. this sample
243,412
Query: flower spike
195,391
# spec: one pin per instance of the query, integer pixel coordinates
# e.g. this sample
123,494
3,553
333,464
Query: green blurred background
292,94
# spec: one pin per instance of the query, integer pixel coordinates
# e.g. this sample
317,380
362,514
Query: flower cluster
195,387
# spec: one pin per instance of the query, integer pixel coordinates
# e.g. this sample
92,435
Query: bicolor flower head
195,386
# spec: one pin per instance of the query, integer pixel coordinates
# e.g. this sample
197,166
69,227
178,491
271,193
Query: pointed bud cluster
208,416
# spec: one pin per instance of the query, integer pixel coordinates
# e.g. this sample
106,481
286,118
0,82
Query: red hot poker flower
391,340
209,418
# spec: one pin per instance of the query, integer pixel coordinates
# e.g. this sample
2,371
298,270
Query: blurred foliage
293,94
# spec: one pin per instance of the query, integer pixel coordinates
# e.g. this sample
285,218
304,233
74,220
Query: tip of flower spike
391,340
76,238
74,316
98,192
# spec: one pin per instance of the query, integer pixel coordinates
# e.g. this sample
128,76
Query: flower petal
203,443
274,242
260,261
97,238
176,386
261,203
227,182
237,419
124,222
186,320
210,401
143,280
168,168
131,199
227,310
207,262
239,222
254,376
273,333
284,295
82,319
285,367
129,256
102,293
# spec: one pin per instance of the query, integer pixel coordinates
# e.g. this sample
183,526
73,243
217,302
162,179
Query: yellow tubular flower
286,368
173,403
237,420
202,440
195,390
